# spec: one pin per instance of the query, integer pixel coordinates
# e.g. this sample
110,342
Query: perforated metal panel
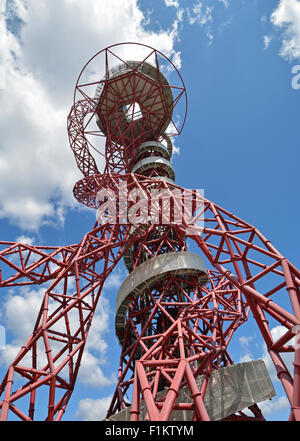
229,390
236,387
181,263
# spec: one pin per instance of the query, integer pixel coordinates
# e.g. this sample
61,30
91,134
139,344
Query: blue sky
240,142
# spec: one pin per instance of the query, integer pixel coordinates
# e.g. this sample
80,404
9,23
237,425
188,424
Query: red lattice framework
189,335
247,275
117,138
237,250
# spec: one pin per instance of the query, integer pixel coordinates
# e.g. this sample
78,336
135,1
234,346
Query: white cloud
246,357
19,313
275,405
245,340
25,239
287,357
91,373
200,14
115,279
267,41
179,10
176,149
36,162
42,62
225,3
287,17
174,3
93,409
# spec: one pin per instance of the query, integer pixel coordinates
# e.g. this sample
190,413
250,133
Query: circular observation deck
134,101
148,273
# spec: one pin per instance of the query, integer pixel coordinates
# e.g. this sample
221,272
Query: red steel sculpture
177,310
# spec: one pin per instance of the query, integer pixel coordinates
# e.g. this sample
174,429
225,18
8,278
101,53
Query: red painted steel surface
161,351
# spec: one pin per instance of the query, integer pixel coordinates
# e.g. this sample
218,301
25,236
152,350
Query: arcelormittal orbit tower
177,310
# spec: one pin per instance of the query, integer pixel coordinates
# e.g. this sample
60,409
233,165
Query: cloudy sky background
239,63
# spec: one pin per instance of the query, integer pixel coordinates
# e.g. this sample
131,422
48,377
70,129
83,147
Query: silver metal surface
229,390
154,146
154,162
128,95
150,272
138,66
